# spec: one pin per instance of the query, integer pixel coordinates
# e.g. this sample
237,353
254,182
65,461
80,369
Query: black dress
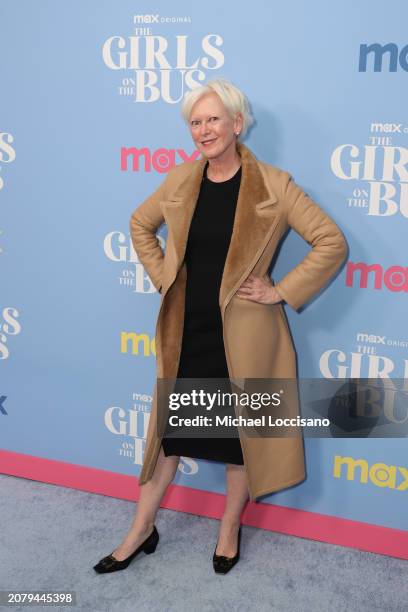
202,352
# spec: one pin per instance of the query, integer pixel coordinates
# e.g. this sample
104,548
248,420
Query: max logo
146,19
2,408
395,57
162,160
380,474
137,344
371,338
386,127
394,278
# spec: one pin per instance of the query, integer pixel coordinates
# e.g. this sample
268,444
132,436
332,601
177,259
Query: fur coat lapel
255,219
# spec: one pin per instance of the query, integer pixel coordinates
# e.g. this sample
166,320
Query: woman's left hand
259,289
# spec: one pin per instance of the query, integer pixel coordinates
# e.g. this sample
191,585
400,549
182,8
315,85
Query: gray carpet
52,536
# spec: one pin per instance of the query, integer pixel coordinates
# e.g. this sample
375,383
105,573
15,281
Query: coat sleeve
144,222
329,247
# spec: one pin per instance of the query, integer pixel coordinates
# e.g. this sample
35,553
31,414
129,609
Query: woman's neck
220,170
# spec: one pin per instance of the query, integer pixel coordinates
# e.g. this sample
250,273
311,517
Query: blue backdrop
90,122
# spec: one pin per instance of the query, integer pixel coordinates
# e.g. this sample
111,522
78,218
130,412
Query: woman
220,315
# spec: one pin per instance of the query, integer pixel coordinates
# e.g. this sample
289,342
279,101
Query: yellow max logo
380,474
137,344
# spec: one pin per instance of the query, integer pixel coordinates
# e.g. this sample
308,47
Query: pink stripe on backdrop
311,525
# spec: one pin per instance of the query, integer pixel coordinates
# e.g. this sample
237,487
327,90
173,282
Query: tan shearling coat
256,336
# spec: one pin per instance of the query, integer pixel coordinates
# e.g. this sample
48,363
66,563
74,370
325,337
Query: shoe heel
150,549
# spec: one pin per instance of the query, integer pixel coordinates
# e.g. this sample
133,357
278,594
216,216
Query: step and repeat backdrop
90,124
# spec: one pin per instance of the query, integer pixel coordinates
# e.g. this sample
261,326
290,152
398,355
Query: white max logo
379,474
146,18
371,338
387,127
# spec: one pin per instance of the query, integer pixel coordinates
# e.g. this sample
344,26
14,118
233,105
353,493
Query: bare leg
151,494
237,495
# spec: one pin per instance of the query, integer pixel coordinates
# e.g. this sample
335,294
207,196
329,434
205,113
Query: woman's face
211,127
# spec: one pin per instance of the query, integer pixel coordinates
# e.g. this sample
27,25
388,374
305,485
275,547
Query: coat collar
255,219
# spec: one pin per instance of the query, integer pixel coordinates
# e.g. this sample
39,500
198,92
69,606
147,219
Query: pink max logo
162,160
394,278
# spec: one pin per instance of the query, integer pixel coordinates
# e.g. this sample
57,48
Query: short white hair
233,99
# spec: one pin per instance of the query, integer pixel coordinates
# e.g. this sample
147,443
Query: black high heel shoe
222,564
111,564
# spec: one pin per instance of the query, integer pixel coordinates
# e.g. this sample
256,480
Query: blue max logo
377,51
2,408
